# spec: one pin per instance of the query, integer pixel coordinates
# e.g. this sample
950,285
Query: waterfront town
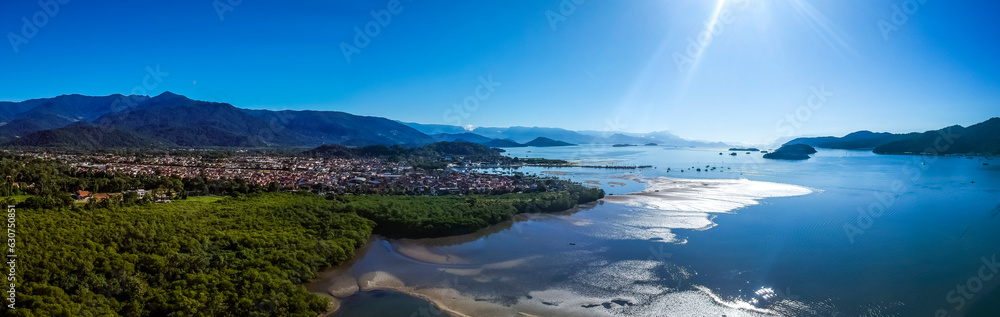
320,175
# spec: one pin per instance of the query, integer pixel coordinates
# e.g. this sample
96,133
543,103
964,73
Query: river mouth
604,259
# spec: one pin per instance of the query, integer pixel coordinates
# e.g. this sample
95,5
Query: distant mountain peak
545,142
166,95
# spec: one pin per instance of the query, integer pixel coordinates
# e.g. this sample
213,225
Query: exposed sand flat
565,302
705,195
343,286
600,287
672,203
423,253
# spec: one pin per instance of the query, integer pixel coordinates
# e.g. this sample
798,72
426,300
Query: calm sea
878,236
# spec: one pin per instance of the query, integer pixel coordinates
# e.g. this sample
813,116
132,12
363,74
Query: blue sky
592,65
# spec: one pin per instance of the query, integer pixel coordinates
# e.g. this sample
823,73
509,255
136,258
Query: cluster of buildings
322,175
86,196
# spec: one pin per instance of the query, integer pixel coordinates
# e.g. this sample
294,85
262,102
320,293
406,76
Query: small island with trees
791,152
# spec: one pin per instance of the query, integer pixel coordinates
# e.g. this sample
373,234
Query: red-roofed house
81,195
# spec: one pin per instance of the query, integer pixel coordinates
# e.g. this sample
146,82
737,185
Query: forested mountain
982,138
860,140
190,123
89,137
543,141
437,149
321,127
503,143
173,120
18,119
176,121
467,136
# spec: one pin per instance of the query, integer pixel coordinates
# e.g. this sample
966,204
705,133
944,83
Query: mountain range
980,138
171,120
526,134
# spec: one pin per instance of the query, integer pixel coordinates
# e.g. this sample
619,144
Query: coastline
326,281
703,196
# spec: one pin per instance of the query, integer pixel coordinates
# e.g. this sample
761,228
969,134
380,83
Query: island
623,145
546,142
791,152
740,149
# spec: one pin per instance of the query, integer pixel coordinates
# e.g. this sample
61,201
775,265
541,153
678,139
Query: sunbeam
823,27
703,40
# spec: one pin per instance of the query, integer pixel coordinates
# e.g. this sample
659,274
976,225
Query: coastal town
366,175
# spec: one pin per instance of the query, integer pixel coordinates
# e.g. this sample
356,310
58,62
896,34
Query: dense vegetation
243,255
791,152
431,156
171,120
543,141
980,138
235,257
240,256
860,140
51,183
503,143
82,136
434,216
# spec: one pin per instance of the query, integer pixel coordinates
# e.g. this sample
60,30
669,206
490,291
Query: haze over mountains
526,134
171,120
